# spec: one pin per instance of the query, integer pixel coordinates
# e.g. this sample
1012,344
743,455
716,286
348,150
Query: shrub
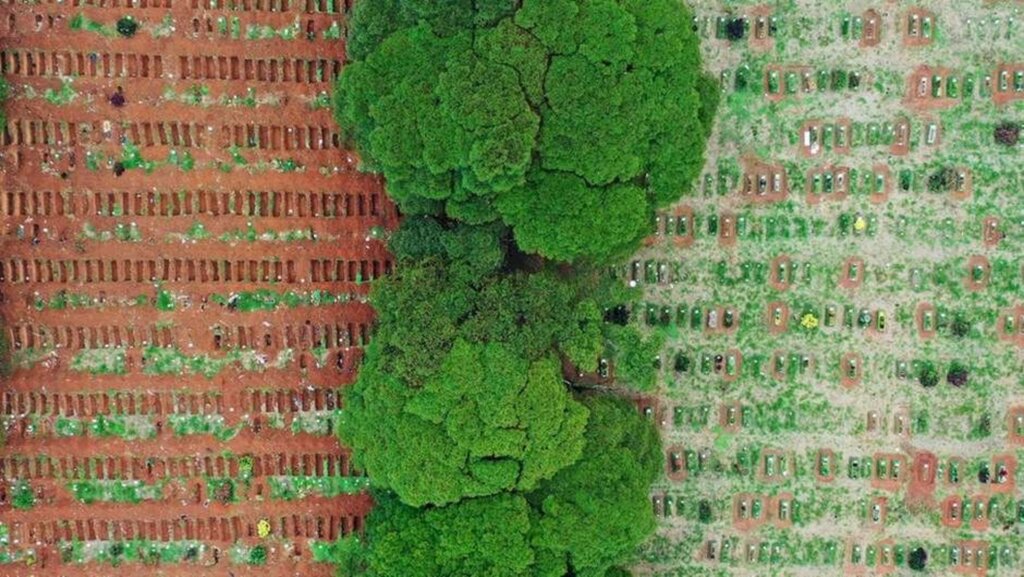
984,475
127,26
618,315
258,555
957,374
22,497
943,180
736,29
982,429
1007,134
961,327
928,375
704,511
918,559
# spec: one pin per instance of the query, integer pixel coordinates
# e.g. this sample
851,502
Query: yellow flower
860,224
809,321
263,528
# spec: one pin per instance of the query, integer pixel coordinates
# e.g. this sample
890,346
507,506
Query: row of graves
760,27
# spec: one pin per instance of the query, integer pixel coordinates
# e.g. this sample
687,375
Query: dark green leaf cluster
567,120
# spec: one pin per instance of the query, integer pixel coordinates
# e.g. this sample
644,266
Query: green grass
80,22
290,488
100,361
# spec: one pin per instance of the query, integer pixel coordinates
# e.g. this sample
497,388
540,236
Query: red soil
760,22
872,34
921,488
920,87
851,370
1004,75
49,193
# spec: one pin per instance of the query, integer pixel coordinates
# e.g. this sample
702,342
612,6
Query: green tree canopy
426,306
487,421
473,538
585,521
591,516
568,120
471,252
461,392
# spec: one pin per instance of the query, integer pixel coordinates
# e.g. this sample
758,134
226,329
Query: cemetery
186,258
545,287
859,217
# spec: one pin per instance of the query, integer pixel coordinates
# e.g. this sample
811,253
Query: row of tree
525,141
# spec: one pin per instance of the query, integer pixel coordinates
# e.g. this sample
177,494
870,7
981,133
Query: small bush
736,29
957,374
943,180
127,26
1007,134
704,512
984,475
918,559
961,327
928,376
258,555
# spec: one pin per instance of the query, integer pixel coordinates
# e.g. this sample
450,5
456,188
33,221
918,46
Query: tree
593,515
568,120
585,521
471,252
474,537
488,421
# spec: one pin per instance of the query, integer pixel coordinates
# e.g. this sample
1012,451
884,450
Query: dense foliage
461,391
592,515
568,120
487,421
525,140
583,522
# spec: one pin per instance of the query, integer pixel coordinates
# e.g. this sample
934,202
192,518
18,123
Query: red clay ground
272,165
